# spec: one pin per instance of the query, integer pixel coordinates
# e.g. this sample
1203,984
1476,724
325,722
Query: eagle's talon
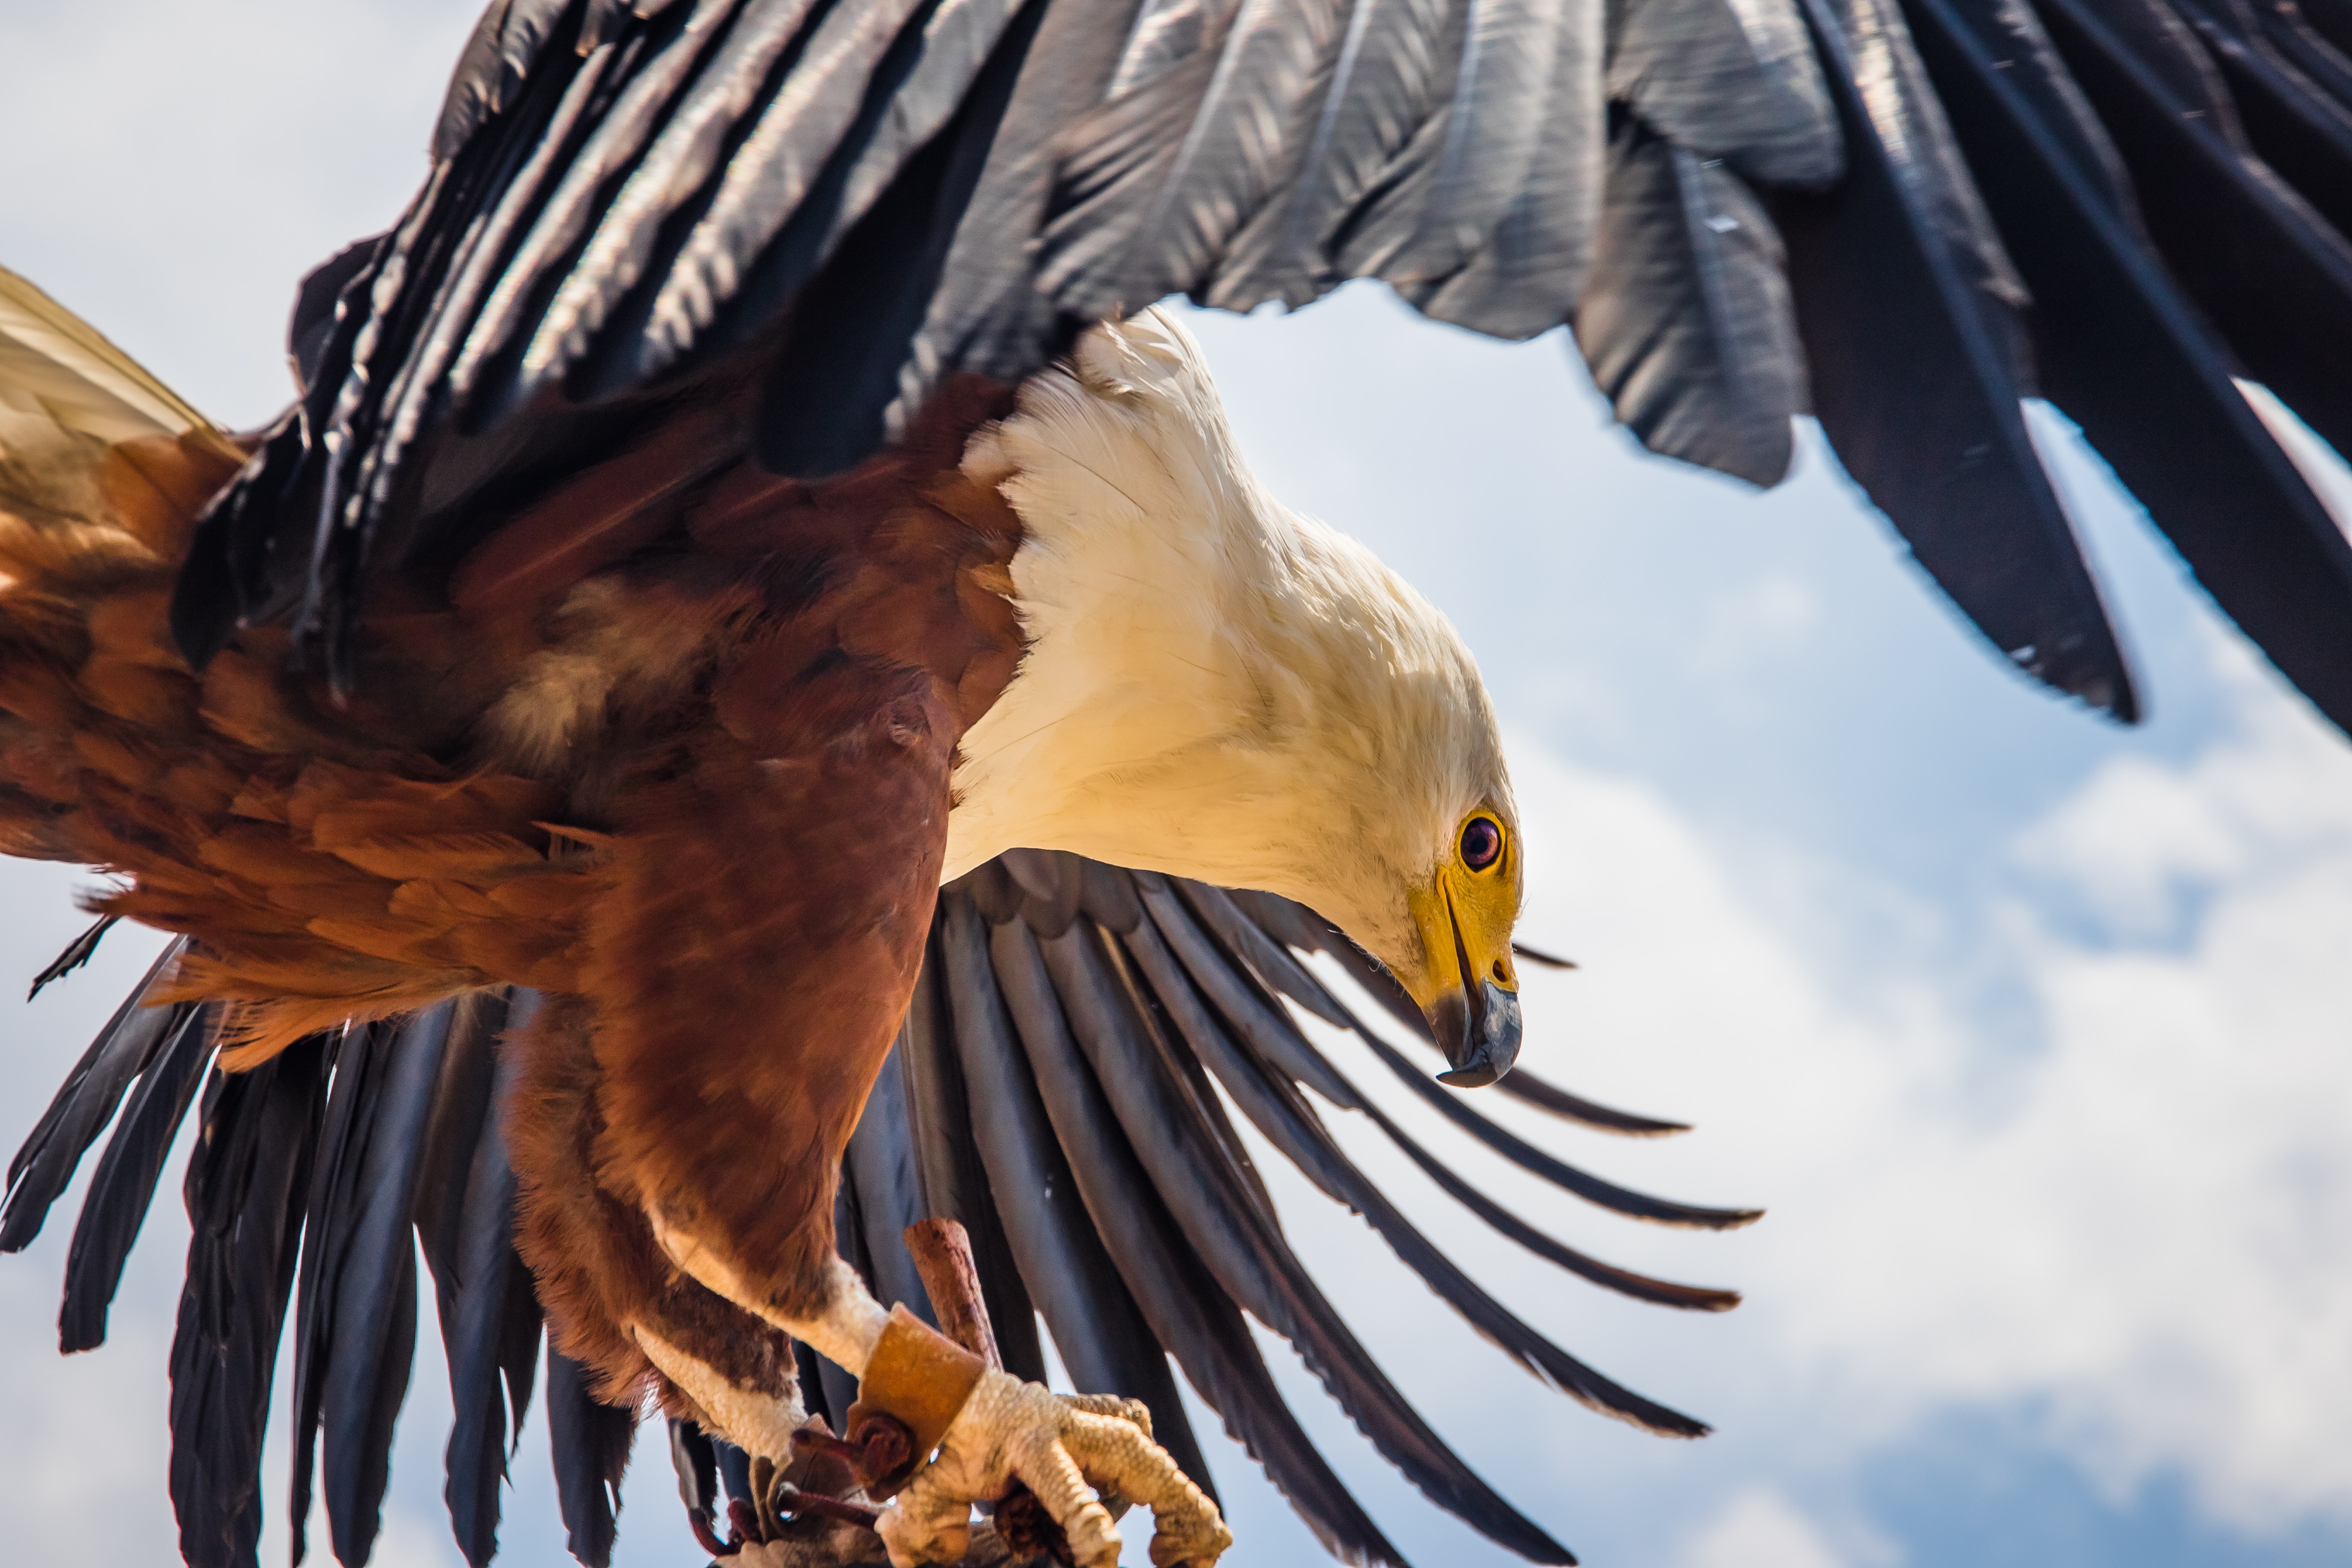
707,1538
816,1438
791,1499
1010,1433
879,1450
1027,1529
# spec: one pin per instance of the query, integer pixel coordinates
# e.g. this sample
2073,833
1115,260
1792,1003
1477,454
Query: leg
614,1301
749,966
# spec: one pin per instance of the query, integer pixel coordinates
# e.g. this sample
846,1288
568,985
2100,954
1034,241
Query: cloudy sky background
2031,1031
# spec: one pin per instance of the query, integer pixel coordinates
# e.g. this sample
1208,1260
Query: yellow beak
1465,985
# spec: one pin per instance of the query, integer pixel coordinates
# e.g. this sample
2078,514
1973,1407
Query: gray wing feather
1431,209
1735,79
1532,267
1686,321
1385,78
1211,115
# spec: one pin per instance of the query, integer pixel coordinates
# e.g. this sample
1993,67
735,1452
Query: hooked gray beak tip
1480,1037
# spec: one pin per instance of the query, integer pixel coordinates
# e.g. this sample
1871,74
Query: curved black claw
794,1503
699,1518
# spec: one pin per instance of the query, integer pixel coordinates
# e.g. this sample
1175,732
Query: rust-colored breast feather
523,785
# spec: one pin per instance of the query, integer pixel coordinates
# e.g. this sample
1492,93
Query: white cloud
1759,1528
2134,1225
1752,621
2139,843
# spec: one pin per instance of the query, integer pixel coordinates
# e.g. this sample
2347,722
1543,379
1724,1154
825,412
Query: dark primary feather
355,1315
781,157
245,1188
2289,120
1247,1009
1302,928
547,224
2269,270
2308,47
324,1227
1291,1125
124,1184
78,952
881,1167
1198,1323
695,1458
82,1108
954,1172
366,1326
1536,1092
465,1211
671,171
1915,370
589,1443
506,44
1665,1293
1272,1035
1267,958
2175,427
984,314
836,1387
1193,1162
1559,1173
1096,1323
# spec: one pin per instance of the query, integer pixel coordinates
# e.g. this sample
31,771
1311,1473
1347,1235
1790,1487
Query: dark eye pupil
1482,841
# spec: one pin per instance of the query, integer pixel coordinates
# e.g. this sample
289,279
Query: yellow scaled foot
1063,1448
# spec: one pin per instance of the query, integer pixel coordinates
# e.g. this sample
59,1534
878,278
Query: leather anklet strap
919,1376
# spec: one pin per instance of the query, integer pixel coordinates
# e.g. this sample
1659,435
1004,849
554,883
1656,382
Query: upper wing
1064,1086
1902,215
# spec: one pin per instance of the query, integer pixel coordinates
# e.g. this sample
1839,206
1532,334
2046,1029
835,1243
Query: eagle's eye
1482,843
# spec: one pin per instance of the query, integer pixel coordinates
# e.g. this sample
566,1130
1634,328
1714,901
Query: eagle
750,702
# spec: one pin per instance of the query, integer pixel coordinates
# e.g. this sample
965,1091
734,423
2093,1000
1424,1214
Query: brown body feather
674,746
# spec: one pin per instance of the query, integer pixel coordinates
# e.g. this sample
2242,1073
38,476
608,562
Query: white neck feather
1216,686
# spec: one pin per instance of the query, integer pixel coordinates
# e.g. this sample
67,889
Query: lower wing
1066,1085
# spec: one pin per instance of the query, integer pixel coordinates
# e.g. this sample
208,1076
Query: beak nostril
1502,972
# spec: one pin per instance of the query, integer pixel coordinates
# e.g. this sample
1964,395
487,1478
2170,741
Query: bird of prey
749,700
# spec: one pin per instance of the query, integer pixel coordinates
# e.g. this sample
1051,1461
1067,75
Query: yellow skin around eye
1466,914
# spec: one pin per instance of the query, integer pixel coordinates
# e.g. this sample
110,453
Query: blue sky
2031,1031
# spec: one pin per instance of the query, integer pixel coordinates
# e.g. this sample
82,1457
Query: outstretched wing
1901,215
1066,1085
